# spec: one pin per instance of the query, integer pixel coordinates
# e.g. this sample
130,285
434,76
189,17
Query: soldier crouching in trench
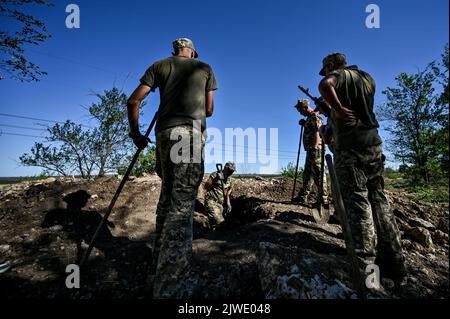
215,203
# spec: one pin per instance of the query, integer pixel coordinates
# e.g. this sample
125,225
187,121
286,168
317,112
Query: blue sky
259,50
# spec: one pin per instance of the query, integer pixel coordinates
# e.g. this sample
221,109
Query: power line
28,118
17,134
236,153
36,119
253,148
79,63
224,150
23,127
246,149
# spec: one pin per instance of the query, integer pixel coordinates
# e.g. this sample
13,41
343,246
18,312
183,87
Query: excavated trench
37,235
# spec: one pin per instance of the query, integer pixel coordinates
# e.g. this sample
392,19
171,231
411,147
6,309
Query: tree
72,155
49,158
443,100
414,119
146,163
74,149
30,31
110,140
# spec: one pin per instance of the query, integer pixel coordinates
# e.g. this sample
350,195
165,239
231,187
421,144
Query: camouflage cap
336,58
231,166
302,102
184,43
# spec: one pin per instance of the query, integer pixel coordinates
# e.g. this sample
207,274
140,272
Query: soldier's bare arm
317,137
327,90
209,103
229,191
317,140
133,104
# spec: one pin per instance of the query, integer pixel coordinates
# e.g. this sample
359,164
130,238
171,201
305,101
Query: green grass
289,171
437,193
5,181
398,183
33,178
431,194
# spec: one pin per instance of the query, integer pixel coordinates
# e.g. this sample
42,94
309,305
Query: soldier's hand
140,140
229,208
323,106
326,134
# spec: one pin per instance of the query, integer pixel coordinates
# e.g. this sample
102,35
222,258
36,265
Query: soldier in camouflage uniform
214,199
359,163
313,147
186,88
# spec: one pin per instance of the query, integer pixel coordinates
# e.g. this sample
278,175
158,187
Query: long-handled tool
116,195
302,124
306,91
324,214
316,100
357,276
219,168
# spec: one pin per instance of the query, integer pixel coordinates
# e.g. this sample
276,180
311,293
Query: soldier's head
303,107
184,47
333,61
229,168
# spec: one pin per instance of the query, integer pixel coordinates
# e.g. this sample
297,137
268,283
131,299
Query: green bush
34,178
146,163
431,195
289,171
391,173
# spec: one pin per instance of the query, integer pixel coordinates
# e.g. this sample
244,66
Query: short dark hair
177,50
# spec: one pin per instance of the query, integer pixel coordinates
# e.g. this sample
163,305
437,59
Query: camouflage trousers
312,173
214,211
172,250
372,223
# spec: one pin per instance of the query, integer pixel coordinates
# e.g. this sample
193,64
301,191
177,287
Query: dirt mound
268,247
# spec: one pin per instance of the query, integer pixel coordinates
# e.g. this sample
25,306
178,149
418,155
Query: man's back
183,84
356,90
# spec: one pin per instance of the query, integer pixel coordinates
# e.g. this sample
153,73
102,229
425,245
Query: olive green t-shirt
182,84
355,90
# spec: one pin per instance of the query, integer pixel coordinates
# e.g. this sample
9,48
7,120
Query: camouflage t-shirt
216,193
355,90
182,84
312,125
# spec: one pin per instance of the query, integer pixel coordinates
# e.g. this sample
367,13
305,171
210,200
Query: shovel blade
321,215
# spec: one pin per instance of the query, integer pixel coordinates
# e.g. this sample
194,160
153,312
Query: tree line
416,116
73,149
